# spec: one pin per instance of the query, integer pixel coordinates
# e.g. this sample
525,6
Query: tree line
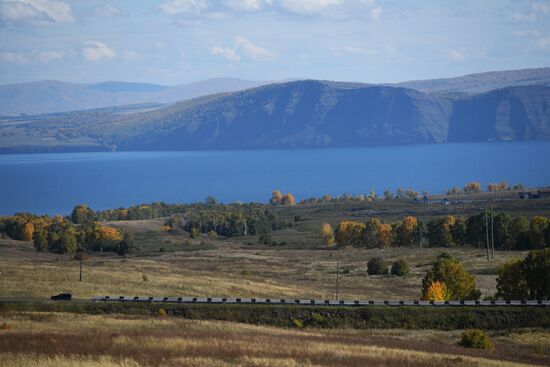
60,235
510,233
228,220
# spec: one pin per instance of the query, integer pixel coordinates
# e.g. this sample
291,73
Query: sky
172,42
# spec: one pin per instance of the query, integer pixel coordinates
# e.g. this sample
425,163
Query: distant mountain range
55,96
300,114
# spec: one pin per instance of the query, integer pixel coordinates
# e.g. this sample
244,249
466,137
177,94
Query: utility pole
337,280
487,234
492,234
81,259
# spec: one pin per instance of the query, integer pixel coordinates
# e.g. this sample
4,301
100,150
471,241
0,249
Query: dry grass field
228,269
58,339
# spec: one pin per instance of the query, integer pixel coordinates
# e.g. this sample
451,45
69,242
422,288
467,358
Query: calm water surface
54,183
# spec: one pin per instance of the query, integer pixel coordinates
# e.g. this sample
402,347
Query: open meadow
297,264
61,339
227,269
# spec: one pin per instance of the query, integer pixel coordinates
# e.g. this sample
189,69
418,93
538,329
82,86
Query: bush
400,268
476,338
297,323
195,233
317,319
265,239
377,266
5,326
212,234
162,312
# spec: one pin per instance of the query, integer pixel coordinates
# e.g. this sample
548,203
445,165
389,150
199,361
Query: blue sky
178,41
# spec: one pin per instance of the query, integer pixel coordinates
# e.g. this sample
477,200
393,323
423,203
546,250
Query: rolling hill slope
300,114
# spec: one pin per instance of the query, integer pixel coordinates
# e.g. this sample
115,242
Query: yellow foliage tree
27,232
405,234
108,234
472,187
436,291
327,234
288,199
326,198
349,233
384,235
409,223
276,197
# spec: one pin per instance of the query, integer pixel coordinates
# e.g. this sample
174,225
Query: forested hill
297,114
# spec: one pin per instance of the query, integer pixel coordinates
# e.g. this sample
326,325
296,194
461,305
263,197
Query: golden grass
58,339
229,271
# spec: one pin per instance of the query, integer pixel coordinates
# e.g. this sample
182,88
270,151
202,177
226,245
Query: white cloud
454,55
14,57
544,43
108,10
309,6
35,11
243,47
174,7
375,13
521,17
251,50
227,52
243,5
543,8
97,51
48,56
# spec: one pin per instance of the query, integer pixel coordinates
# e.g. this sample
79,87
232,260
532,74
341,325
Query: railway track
317,302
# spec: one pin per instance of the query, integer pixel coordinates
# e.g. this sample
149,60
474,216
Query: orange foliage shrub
108,233
437,291
27,232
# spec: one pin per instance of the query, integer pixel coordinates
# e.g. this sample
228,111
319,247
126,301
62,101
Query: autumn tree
405,234
82,214
326,198
327,234
288,199
436,291
27,232
454,191
460,284
472,187
349,233
400,193
384,235
276,197
494,187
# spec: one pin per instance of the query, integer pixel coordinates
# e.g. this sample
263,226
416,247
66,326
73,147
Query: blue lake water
55,183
